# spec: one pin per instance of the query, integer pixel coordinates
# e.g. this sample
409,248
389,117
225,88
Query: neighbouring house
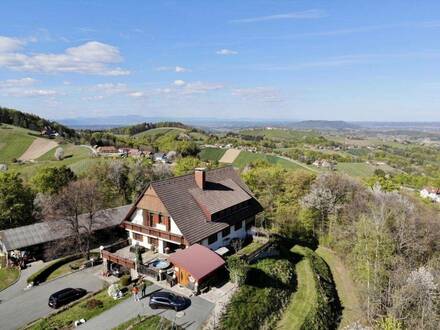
431,193
38,238
47,131
107,150
324,163
190,271
209,208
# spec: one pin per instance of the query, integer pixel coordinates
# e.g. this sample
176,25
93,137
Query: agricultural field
247,157
212,154
279,134
356,169
160,131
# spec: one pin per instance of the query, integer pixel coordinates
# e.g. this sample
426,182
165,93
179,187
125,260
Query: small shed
195,265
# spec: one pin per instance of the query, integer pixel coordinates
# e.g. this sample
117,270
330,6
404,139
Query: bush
43,274
94,303
125,280
238,269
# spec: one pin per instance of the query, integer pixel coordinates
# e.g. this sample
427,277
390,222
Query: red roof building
194,264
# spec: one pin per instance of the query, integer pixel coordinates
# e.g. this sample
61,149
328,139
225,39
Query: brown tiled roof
188,204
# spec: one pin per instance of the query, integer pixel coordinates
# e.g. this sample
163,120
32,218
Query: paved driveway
193,318
32,304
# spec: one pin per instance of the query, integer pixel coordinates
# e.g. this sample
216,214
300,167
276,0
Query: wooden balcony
154,232
118,259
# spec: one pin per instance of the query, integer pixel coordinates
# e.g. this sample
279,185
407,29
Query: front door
183,277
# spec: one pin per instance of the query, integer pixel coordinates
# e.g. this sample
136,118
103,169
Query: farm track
229,156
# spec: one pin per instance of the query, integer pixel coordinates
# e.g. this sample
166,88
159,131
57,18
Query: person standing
135,292
143,288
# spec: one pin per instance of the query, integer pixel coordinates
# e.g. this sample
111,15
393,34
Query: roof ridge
191,174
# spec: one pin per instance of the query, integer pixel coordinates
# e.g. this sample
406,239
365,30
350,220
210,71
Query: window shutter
168,223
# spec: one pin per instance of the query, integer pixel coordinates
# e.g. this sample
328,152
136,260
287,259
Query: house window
212,238
226,231
138,237
160,218
238,225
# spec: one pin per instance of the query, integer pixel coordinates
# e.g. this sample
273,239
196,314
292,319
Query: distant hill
324,124
34,122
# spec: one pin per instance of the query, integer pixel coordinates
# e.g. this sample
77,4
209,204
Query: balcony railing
154,232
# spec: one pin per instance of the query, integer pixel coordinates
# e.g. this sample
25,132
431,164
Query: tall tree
16,202
49,180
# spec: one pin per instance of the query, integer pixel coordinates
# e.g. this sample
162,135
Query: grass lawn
64,269
213,154
303,299
344,285
250,248
146,323
14,142
154,132
257,303
8,276
78,311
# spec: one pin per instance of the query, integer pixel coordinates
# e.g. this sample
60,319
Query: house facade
431,193
209,208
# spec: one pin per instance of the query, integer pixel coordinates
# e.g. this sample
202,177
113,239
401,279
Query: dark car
65,296
118,271
168,300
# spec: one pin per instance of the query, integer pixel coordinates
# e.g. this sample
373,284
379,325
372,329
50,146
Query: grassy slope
8,276
213,154
76,157
356,169
14,141
280,134
161,131
246,157
346,289
303,299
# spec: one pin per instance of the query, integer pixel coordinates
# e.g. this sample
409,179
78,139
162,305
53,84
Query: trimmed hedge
326,313
43,274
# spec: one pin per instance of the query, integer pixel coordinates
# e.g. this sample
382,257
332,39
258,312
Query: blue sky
348,60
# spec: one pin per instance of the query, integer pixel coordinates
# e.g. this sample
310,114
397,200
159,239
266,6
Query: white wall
222,241
137,217
173,228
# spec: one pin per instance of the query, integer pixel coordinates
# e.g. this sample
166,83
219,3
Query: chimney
200,177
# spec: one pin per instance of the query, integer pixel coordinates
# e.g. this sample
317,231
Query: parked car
65,296
168,300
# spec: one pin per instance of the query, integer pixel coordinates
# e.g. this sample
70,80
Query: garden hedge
43,274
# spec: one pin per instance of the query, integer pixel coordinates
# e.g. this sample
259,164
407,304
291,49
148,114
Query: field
155,132
38,147
14,141
230,156
76,157
279,134
356,169
247,157
212,154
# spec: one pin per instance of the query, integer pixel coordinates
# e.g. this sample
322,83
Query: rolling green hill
160,131
14,141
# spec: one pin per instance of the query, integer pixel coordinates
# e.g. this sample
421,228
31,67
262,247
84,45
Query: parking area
192,318
29,305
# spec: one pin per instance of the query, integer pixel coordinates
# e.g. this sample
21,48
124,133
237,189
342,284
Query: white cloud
177,69
10,44
109,88
265,94
11,83
179,82
92,57
200,87
226,52
136,94
305,14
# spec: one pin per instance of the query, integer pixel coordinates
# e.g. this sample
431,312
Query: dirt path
38,148
347,290
229,156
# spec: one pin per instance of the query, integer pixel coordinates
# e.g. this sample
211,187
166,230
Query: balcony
154,232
